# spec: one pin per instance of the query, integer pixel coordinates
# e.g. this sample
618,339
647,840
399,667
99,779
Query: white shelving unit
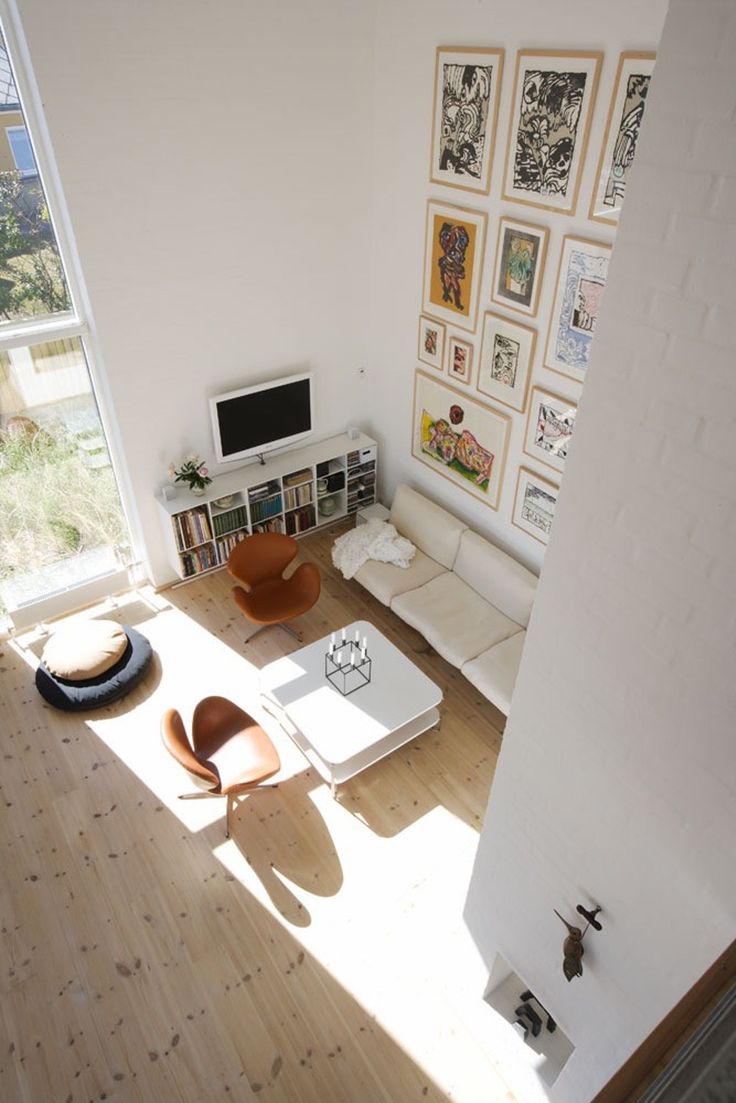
295,492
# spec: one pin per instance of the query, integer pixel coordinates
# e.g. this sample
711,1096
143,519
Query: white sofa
470,600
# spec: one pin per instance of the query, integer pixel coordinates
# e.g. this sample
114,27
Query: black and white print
552,105
622,135
466,96
535,504
506,357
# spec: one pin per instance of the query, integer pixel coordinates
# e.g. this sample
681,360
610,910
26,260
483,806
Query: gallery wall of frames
484,363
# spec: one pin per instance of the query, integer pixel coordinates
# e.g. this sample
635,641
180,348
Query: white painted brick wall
617,777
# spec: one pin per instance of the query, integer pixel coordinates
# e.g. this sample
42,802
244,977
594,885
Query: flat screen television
258,419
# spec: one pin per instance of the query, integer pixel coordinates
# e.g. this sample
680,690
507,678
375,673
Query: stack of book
269,507
265,490
274,525
198,560
192,527
298,496
303,476
227,543
299,520
227,522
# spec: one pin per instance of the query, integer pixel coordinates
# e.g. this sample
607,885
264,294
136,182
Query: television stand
294,492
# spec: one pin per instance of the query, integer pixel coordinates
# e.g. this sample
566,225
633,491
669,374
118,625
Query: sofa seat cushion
453,618
494,672
385,581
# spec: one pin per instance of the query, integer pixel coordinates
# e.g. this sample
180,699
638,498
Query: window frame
25,174
78,321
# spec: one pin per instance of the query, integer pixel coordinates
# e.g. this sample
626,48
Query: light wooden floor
319,955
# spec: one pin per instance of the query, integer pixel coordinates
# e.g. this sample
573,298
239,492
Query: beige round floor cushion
85,649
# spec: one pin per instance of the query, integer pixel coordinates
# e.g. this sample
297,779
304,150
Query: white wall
617,777
215,165
407,35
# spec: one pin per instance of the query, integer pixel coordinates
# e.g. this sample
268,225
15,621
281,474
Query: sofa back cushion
434,531
496,577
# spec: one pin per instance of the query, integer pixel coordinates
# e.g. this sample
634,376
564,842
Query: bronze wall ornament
572,948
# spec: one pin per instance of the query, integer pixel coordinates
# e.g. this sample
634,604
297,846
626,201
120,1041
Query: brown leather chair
264,596
229,755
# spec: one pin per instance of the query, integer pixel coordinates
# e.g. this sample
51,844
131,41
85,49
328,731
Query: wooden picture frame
467,84
453,260
581,281
431,349
521,251
506,360
549,428
554,96
534,506
628,103
460,361
460,438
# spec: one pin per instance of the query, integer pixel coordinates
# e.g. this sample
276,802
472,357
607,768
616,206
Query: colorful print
554,430
459,451
519,265
583,273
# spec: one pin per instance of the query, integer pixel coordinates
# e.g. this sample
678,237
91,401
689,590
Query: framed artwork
453,257
628,102
517,274
581,281
460,438
460,360
549,428
506,357
554,93
467,84
431,342
534,504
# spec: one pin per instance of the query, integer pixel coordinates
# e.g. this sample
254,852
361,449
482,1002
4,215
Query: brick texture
617,778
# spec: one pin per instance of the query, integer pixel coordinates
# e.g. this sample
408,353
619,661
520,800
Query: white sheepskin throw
375,540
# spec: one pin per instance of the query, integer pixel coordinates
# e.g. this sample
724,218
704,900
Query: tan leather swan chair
229,755
264,596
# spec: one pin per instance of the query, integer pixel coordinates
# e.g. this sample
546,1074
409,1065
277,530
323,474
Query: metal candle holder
344,673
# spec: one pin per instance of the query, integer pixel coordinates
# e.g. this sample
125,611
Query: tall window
63,535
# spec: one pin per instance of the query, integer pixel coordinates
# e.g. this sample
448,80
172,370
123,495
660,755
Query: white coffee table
342,735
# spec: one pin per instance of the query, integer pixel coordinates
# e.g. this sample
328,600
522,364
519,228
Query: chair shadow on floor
281,834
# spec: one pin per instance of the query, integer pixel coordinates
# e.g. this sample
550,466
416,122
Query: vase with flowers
193,472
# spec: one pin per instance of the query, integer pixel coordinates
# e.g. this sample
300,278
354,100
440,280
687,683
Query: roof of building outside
8,92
